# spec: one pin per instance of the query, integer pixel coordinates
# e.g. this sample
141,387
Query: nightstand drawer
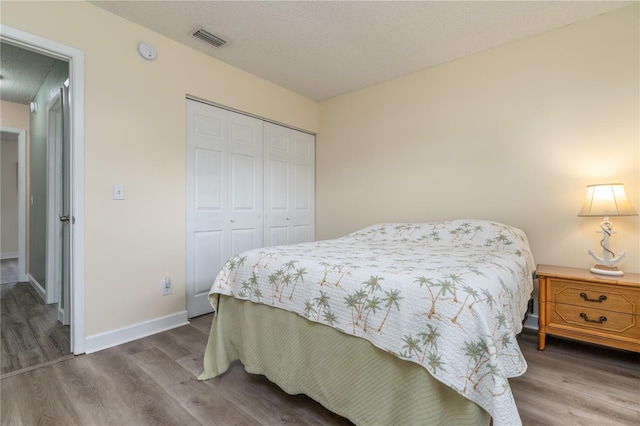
594,296
595,319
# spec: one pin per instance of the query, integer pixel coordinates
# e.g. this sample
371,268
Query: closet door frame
228,214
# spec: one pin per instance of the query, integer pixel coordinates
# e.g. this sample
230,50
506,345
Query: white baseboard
9,255
36,286
108,339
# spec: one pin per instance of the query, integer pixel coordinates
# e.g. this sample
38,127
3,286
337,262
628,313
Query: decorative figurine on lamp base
606,264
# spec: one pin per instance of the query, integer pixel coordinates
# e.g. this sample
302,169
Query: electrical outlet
166,286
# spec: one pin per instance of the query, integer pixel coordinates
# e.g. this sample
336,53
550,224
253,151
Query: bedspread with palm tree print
450,296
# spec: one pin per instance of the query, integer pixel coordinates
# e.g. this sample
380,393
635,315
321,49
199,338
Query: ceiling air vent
207,37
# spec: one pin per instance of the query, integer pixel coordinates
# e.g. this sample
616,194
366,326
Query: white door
289,182
66,218
224,195
59,217
55,187
245,206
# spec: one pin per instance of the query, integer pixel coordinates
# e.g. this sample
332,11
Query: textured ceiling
322,49
325,48
22,73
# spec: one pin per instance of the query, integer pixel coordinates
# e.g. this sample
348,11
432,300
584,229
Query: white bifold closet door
289,186
224,195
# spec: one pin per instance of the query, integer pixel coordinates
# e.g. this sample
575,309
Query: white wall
513,134
9,199
135,130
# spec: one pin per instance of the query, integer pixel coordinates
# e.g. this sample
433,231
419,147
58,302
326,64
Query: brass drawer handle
600,299
599,321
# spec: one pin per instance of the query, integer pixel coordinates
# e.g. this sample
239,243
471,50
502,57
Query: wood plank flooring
30,333
9,271
152,381
573,383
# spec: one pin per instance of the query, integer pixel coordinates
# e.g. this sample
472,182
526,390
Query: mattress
449,296
346,374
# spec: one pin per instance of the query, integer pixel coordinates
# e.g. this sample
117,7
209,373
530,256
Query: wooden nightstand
578,304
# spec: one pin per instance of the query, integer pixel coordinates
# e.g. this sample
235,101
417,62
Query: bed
410,323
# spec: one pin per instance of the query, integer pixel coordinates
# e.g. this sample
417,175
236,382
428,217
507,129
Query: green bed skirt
345,374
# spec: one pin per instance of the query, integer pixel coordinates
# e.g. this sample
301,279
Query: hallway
30,333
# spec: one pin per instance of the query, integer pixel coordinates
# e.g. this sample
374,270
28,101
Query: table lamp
606,200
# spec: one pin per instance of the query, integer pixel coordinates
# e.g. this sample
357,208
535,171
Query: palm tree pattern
449,296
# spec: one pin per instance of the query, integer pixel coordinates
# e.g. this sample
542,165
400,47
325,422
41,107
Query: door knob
64,218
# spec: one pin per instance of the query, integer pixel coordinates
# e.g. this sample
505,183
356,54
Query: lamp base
606,270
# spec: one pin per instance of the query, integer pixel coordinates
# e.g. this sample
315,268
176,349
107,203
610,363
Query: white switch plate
166,286
118,191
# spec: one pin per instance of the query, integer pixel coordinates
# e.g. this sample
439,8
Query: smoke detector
147,51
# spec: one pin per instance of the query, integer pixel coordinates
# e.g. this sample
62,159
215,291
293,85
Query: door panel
278,178
302,234
208,179
303,187
224,195
243,131
242,240
303,197
278,235
207,251
206,195
244,188
289,186
65,215
276,185
210,127
303,147
245,202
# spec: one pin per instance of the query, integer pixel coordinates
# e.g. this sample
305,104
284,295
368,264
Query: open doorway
35,329
40,191
13,233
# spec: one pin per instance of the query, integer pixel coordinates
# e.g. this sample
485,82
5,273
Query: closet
250,184
289,208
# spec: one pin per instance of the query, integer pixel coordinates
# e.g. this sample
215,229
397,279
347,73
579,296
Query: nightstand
578,304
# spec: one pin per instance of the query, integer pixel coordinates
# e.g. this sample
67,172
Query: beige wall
135,135
16,116
513,134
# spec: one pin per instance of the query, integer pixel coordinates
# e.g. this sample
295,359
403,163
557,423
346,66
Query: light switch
118,191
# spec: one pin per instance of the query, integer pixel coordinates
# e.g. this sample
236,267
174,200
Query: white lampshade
607,199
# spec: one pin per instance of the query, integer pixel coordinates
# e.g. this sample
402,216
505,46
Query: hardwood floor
152,381
573,383
9,271
30,333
